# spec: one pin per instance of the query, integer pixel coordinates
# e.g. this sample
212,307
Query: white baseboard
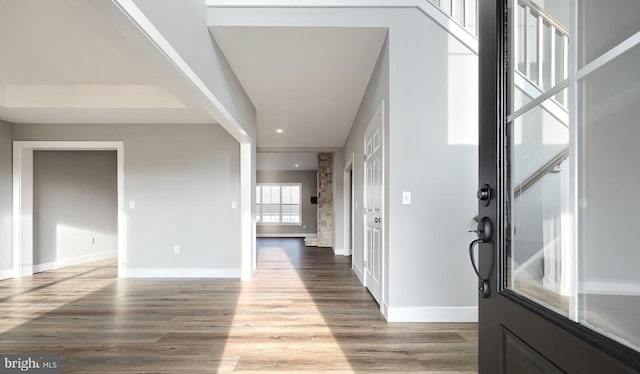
342,252
6,274
290,235
358,272
74,261
610,288
431,314
180,273
384,309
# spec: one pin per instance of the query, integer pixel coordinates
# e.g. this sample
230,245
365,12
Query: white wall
376,92
6,205
430,277
428,239
75,207
183,179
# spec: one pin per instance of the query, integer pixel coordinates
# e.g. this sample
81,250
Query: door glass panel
539,44
561,63
519,35
532,45
573,166
471,17
609,296
604,24
547,56
457,13
539,256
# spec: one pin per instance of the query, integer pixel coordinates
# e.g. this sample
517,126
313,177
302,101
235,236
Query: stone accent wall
325,200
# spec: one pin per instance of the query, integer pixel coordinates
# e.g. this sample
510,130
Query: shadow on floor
99,323
352,319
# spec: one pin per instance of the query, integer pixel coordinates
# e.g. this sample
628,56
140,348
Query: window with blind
278,203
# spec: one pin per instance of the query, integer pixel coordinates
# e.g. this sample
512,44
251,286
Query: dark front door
559,179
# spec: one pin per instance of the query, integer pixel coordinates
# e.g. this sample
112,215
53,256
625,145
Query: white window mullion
280,205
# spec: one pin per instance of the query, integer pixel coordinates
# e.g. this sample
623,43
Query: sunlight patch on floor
292,317
31,297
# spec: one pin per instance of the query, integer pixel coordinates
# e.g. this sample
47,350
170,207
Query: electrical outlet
176,249
93,240
132,204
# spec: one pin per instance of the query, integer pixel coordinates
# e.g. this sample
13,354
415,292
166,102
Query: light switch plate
132,204
234,205
406,197
176,249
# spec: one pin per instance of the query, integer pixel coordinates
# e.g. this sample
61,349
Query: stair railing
536,35
463,12
540,173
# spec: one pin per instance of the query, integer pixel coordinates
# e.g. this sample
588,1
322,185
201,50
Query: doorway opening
286,195
75,215
48,232
349,207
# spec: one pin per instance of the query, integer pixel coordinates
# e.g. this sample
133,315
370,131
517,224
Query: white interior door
373,205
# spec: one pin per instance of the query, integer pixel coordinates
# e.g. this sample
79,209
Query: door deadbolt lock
484,194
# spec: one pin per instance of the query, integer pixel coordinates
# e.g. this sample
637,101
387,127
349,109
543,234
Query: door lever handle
377,220
484,232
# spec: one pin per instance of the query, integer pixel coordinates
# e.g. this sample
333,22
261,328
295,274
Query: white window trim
299,185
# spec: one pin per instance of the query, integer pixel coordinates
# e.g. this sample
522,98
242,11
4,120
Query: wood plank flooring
305,311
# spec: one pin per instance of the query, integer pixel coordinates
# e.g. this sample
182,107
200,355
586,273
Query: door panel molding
373,205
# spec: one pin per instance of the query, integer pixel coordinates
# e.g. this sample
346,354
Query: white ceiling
287,161
63,62
308,81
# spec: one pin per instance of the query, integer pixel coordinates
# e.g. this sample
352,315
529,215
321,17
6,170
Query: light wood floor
304,312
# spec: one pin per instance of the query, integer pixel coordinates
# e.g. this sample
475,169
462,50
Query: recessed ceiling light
279,131
296,165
